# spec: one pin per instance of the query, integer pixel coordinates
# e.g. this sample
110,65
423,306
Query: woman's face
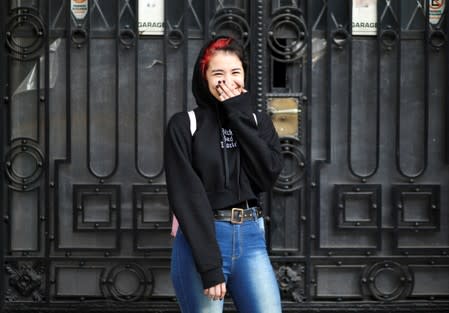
225,68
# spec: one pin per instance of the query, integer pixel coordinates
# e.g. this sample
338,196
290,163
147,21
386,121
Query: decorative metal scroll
231,22
25,33
291,177
291,281
287,35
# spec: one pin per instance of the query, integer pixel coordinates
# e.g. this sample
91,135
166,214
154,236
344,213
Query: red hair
219,44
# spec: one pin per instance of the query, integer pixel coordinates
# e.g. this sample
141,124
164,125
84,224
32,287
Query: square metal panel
358,206
417,207
151,218
151,207
96,207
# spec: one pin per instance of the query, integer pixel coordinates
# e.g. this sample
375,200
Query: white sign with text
151,17
364,17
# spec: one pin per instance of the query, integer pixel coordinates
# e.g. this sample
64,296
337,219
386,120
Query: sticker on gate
79,8
436,10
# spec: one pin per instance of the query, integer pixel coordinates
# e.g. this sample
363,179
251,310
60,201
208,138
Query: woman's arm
189,202
259,142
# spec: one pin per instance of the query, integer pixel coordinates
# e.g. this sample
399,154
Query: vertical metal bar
257,51
7,142
165,63
328,82
117,84
68,84
446,17
7,90
398,101
133,195
185,29
68,158
308,166
3,100
316,185
136,93
379,59
427,47
46,122
88,104
38,102
398,90
117,128
349,122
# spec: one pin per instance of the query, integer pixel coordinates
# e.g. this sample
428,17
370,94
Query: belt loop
254,211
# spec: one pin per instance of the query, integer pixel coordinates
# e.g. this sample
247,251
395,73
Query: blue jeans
249,276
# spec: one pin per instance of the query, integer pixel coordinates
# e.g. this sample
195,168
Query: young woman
213,179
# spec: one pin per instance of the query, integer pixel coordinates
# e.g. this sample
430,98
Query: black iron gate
358,219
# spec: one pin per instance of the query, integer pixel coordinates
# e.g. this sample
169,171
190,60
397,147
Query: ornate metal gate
358,220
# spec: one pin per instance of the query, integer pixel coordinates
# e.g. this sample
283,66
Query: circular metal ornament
24,164
389,37
79,37
287,21
340,37
127,282
231,22
294,166
175,37
437,39
127,37
25,33
387,281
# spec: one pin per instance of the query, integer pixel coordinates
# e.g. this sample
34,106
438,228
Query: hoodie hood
205,99
200,89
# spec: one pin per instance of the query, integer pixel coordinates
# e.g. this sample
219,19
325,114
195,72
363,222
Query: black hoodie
229,159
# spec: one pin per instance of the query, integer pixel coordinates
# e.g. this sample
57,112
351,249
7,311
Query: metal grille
358,219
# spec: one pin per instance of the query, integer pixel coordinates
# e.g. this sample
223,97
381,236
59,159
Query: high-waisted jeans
249,276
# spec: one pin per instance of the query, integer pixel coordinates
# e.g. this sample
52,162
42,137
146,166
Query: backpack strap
192,118
255,118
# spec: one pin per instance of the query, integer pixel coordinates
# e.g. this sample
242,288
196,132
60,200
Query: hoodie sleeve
259,143
189,202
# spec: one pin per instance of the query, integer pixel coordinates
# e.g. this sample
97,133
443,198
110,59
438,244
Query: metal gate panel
357,220
377,200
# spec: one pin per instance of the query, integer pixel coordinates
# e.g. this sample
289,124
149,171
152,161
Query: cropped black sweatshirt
230,158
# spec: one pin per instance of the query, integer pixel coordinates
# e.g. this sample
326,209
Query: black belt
237,215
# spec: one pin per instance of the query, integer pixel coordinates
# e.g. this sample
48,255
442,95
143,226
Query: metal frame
3,79
301,263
